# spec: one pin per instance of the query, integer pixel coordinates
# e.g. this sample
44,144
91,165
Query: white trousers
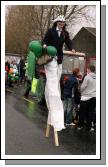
53,95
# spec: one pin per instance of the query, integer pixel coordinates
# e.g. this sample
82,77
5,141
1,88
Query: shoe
92,129
69,124
79,128
26,96
73,124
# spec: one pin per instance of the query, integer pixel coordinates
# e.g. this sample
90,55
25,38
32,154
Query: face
60,24
88,70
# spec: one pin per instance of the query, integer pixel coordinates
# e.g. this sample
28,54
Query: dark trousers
28,88
87,112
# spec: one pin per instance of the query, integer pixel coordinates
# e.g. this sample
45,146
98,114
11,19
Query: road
25,125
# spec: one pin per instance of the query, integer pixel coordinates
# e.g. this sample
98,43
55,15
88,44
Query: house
85,41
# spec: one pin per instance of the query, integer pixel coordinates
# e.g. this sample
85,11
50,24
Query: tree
25,23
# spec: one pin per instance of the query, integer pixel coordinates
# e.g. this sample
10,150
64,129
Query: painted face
60,24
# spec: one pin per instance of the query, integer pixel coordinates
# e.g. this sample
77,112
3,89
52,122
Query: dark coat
71,83
21,67
52,38
7,66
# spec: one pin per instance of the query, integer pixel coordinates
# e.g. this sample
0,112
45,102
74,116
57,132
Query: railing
76,54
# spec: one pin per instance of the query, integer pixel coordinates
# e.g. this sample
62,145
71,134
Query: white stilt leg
56,138
47,130
55,134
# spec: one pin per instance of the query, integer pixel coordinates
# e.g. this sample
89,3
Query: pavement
25,125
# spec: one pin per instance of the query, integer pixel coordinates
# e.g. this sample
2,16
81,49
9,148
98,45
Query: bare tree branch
72,11
34,20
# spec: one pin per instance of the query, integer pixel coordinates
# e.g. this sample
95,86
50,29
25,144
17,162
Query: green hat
36,48
52,51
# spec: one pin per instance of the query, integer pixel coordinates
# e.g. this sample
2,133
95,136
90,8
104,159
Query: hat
59,18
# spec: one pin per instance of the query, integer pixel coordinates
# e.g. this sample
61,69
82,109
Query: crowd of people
78,95
79,99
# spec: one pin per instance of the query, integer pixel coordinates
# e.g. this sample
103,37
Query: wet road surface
25,125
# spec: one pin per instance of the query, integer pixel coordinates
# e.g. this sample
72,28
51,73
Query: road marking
9,90
21,97
27,100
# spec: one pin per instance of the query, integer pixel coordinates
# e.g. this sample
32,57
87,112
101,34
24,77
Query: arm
84,83
68,41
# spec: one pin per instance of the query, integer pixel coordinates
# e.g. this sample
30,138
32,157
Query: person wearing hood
88,99
56,37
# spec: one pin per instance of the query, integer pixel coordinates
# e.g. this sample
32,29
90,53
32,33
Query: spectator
7,66
88,99
29,82
56,37
70,86
21,69
10,75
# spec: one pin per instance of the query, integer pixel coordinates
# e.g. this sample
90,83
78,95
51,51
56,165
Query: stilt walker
55,36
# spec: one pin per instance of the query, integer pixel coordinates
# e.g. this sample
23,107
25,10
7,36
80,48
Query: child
70,86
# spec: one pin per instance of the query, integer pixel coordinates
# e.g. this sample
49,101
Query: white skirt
53,95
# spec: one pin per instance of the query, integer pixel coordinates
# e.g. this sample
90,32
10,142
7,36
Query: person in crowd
29,82
70,87
77,97
88,99
7,68
21,69
56,36
10,73
28,88
15,65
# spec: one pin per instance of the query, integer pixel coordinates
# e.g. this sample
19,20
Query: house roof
92,30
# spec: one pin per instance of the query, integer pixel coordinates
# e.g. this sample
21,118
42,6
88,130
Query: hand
73,50
44,46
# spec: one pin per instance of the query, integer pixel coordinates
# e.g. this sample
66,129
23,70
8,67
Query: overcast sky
83,22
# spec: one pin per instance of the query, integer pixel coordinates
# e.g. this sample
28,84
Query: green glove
52,51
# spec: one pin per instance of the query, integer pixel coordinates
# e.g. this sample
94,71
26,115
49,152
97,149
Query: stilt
47,130
55,134
56,137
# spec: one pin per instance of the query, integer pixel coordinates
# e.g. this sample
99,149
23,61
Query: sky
83,22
